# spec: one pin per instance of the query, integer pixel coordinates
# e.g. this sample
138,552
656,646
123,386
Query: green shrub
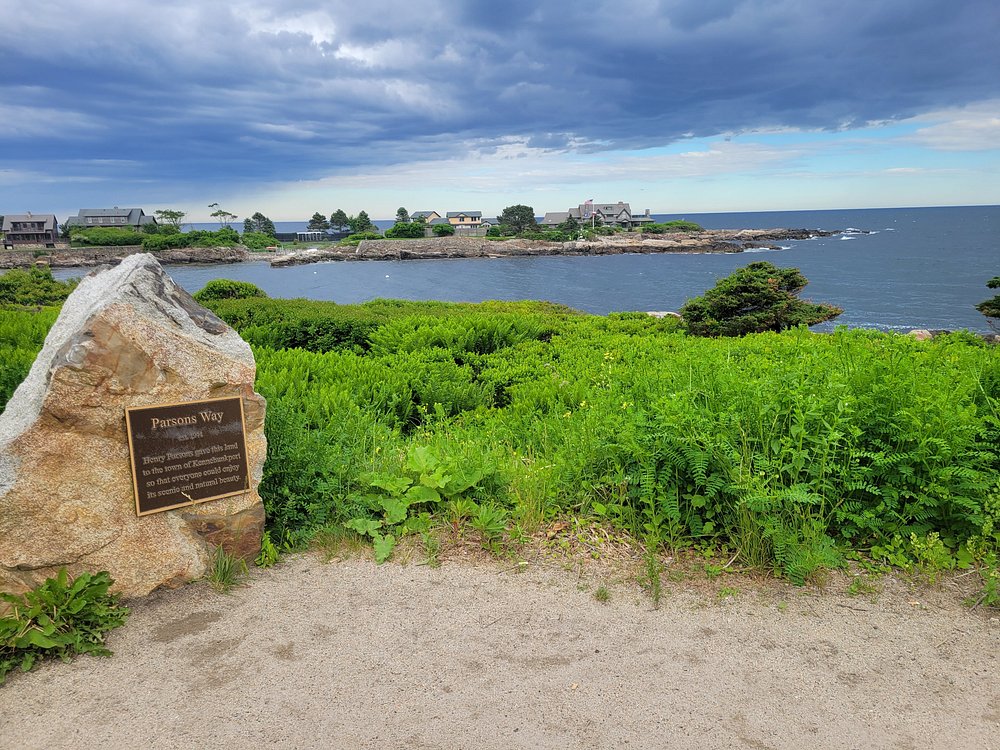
677,225
405,230
61,618
217,289
106,237
991,307
447,230
257,240
353,240
758,298
22,333
35,286
224,237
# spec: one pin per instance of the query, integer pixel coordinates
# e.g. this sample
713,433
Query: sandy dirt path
353,655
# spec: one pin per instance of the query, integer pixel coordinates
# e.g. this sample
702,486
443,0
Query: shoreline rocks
708,241
87,257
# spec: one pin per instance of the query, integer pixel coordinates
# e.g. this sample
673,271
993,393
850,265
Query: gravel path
353,655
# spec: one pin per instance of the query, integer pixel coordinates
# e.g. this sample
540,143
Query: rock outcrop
126,337
708,241
74,257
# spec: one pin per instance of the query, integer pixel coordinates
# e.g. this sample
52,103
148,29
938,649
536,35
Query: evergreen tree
518,218
758,298
360,223
991,307
259,223
402,215
339,219
318,223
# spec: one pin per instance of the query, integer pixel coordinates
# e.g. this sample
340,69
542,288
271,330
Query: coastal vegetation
785,451
154,238
991,307
59,619
760,297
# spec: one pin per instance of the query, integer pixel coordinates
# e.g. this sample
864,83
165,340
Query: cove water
919,268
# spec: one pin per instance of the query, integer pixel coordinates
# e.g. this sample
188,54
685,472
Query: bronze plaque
187,453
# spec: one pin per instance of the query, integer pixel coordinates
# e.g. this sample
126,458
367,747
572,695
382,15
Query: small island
427,248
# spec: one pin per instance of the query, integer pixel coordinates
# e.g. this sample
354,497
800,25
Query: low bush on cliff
225,237
678,225
353,240
105,237
991,307
257,240
760,297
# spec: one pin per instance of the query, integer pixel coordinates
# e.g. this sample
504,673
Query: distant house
427,216
128,218
490,222
465,219
30,229
609,214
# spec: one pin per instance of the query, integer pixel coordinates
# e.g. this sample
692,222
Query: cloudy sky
680,106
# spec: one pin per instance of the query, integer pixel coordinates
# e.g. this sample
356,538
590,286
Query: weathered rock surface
127,336
708,241
72,257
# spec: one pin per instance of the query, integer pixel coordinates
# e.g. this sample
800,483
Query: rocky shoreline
87,257
708,241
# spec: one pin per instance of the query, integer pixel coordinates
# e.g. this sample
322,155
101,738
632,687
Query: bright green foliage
170,217
788,448
360,223
678,225
447,230
224,237
991,307
259,223
318,223
256,240
571,226
22,334
60,618
518,218
401,501
222,216
490,520
269,553
226,571
339,220
217,289
105,237
353,240
35,286
405,230
758,298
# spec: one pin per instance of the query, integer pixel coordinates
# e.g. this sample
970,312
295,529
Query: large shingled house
131,218
30,229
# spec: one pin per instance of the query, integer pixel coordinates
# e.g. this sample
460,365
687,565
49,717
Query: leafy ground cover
790,452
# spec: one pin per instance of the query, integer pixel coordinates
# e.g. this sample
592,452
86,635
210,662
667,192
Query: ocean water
919,268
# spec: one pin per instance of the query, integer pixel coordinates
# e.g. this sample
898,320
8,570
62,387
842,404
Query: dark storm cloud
257,91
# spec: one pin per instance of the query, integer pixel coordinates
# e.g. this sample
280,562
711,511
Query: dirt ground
498,655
